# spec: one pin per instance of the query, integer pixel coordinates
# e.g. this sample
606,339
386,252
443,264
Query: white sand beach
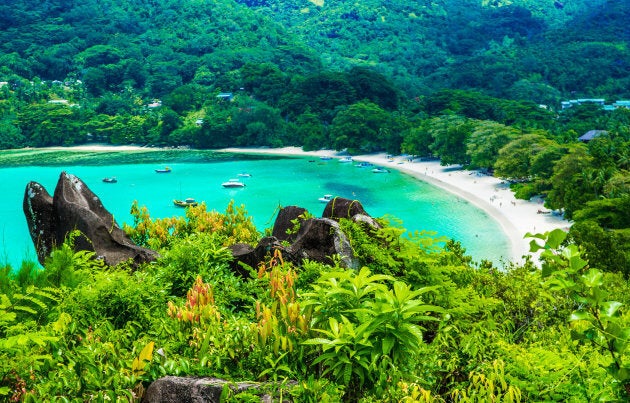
516,217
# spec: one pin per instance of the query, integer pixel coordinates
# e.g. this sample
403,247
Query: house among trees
225,96
596,101
590,135
573,102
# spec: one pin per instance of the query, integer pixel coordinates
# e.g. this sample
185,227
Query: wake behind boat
233,183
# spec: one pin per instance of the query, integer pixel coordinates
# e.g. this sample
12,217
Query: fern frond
23,308
49,293
7,317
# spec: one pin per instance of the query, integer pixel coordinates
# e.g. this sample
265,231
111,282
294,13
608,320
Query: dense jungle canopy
482,84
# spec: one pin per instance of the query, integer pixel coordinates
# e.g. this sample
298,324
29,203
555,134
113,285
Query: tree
516,158
265,81
310,132
373,86
323,93
607,250
450,134
417,140
485,141
572,187
360,127
10,135
45,125
185,98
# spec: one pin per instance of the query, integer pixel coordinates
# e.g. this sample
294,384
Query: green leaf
610,308
534,246
593,278
581,315
555,238
576,263
388,343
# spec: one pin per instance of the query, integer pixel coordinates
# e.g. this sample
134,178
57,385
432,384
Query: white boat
233,183
363,164
380,170
325,198
325,158
245,175
345,159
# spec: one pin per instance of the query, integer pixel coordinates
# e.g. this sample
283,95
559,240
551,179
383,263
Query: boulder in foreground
74,206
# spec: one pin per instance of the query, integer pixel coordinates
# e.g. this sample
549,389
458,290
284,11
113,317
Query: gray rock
340,207
321,238
172,389
285,222
75,207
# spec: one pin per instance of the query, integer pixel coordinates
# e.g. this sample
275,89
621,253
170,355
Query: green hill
539,50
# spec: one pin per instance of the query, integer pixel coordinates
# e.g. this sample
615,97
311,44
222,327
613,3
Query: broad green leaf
576,263
581,315
593,278
610,308
555,238
534,246
388,343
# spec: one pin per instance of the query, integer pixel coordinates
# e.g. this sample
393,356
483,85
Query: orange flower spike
261,269
172,310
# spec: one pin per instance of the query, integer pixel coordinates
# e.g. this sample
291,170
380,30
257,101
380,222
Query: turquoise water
275,181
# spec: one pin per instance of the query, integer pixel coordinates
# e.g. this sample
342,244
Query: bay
275,182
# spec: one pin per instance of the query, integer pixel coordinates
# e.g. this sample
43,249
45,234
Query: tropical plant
596,319
366,327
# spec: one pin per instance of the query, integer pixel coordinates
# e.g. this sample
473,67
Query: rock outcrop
74,206
285,222
172,389
317,239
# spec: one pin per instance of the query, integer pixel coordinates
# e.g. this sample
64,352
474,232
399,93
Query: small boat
245,175
233,183
325,158
325,198
164,170
364,164
110,180
380,170
345,159
189,202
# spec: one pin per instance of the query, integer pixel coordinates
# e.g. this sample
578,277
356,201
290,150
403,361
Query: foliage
366,326
420,324
596,319
156,234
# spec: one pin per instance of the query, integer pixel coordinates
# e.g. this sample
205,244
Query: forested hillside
538,50
473,83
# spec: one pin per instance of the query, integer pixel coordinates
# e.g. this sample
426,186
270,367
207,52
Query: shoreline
492,195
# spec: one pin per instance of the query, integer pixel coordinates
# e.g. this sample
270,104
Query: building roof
591,134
